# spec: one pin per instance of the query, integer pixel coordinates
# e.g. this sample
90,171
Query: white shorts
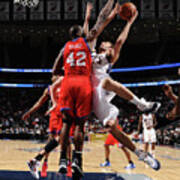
149,135
102,107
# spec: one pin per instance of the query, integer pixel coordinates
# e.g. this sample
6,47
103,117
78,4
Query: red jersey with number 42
77,58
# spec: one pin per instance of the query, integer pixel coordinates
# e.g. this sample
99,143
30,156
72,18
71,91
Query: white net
27,3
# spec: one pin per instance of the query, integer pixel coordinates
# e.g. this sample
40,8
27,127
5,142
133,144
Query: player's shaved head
75,31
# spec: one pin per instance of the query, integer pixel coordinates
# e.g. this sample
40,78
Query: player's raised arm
58,63
122,38
37,105
87,18
101,21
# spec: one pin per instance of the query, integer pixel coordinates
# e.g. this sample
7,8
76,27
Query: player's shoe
148,106
33,166
149,160
69,171
105,164
130,166
63,166
44,169
77,167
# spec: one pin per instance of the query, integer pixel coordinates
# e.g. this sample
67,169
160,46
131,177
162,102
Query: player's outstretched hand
25,116
117,8
134,16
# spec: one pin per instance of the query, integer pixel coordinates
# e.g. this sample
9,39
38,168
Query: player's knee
106,83
51,145
106,145
111,124
51,137
66,117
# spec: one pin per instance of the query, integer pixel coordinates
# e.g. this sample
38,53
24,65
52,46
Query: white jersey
102,107
147,121
101,66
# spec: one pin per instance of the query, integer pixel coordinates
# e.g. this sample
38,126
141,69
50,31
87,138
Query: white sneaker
148,106
34,166
152,162
149,160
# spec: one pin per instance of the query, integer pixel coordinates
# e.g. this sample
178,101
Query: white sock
153,153
136,101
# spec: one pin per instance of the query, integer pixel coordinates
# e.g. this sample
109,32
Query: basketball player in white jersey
148,122
104,85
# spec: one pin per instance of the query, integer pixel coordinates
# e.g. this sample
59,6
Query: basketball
127,10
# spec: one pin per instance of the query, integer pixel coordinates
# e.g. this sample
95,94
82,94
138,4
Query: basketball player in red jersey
111,141
76,88
55,125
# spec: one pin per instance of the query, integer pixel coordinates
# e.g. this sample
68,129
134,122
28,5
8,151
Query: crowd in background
15,102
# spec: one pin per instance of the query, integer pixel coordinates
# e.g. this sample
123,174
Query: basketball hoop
27,3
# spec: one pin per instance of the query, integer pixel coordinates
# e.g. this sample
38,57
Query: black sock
63,155
107,159
78,155
46,160
130,162
39,157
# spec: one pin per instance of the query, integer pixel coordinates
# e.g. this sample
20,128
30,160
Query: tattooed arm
101,21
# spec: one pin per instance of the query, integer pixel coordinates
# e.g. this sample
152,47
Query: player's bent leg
111,85
51,137
35,163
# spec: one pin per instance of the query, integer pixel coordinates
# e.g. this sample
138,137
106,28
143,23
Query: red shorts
55,122
76,96
110,140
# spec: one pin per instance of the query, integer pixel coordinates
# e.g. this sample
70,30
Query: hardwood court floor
14,154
